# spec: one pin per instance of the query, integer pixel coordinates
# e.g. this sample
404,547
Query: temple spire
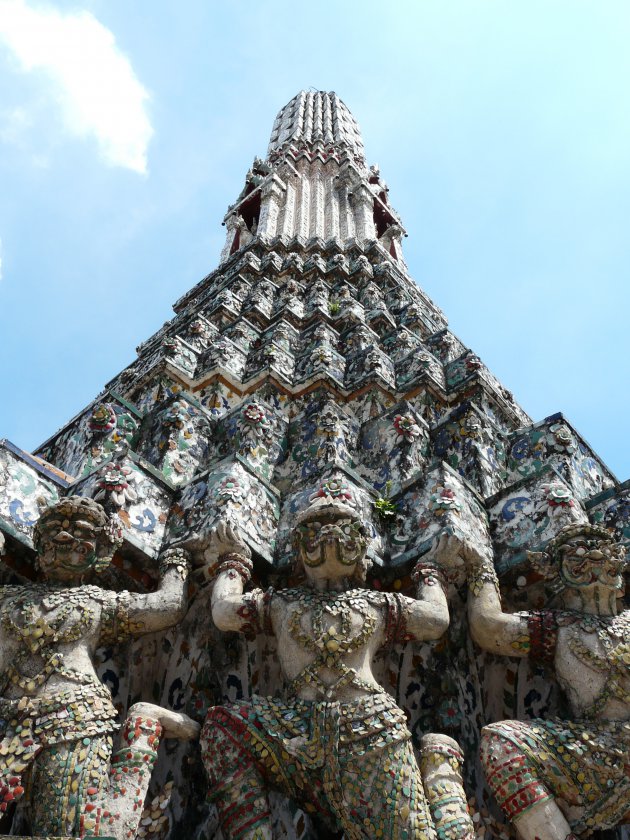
316,118
315,184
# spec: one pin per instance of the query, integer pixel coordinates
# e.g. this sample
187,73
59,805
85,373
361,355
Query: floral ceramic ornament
116,485
473,362
558,495
444,500
407,430
334,488
170,346
103,418
229,490
255,415
561,438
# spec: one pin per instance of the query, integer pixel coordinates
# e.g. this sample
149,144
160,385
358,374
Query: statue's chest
328,626
38,618
332,629
326,641
593,662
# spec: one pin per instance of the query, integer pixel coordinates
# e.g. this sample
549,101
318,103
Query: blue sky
503,130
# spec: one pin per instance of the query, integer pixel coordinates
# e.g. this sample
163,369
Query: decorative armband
481,574
116,624
238,563
543,636
255,614
429,574
395,618
175,558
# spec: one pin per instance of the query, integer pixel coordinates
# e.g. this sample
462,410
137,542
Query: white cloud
92,80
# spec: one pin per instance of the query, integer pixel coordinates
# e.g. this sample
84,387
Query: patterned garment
72,714
351,764
65,742
63,779
586,766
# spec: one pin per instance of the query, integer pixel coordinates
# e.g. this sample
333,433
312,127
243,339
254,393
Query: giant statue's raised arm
559,777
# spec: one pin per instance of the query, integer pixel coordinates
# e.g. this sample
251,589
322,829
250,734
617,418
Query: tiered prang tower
310,358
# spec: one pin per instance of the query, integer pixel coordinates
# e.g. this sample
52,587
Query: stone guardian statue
56,717
337,743
556,778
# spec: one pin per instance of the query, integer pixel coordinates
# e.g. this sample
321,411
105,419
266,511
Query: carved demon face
331,542
339,541
587,562
74,538
68,548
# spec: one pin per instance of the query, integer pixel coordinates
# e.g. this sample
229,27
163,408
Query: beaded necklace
613,632
330,645
19,619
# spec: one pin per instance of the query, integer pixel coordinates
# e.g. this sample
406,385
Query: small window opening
249,211
382,219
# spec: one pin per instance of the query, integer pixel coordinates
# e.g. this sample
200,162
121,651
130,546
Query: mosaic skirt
352,764
586,766
56,747
63,778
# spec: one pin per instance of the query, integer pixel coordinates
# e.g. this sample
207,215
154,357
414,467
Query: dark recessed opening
249,211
